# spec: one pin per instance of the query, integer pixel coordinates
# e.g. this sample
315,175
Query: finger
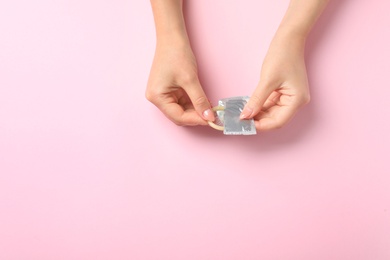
199,100
256,101
272,100
276,117
176,114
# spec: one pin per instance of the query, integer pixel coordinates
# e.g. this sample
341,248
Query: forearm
300,17
169,20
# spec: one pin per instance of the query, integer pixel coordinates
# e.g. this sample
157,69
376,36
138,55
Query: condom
228,119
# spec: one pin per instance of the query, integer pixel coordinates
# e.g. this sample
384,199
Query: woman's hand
283,86
173,84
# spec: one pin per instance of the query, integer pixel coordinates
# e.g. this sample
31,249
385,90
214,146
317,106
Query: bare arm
301,16
168,18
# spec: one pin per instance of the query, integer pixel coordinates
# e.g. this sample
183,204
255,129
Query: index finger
275,117
181,117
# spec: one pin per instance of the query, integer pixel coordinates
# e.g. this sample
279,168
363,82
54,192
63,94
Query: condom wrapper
228,115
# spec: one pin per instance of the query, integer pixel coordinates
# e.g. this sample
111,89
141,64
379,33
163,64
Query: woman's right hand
174,87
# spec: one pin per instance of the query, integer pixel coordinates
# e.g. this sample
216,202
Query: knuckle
278,125
255,101
200,101
304,99
178,122
150,95
188,78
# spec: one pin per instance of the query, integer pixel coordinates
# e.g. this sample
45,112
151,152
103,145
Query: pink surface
90,170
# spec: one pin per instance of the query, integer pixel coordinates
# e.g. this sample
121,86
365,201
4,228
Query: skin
283,88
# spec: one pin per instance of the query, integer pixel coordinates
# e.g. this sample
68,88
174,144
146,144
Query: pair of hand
175,89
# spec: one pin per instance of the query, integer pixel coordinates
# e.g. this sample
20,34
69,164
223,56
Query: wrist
300,18
288,38
175,39
169,21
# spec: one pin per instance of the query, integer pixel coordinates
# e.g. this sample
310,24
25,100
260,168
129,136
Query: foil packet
228,115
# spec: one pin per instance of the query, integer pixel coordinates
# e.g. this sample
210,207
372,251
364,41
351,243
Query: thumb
256,101
200,101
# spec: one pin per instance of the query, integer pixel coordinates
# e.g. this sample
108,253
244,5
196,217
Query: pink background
90,170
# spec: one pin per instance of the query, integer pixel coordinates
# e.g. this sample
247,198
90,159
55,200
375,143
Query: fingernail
208,115
246,112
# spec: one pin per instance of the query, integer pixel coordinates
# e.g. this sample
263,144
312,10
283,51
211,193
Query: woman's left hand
283,86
